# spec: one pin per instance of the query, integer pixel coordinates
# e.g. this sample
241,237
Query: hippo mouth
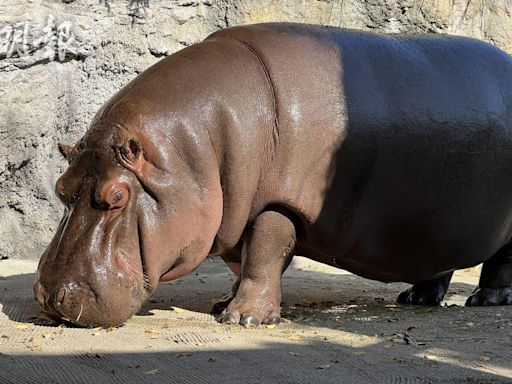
81,305
147,285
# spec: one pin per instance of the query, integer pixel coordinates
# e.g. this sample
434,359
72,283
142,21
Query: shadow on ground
339,328
274,362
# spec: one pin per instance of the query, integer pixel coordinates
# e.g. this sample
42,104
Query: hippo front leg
233,259
266,252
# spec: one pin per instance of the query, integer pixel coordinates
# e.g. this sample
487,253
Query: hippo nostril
59,296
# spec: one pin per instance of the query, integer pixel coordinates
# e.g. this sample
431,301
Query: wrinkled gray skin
390,157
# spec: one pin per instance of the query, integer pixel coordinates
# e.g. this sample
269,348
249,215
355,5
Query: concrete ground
338,328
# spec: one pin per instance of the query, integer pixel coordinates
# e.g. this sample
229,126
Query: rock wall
60,60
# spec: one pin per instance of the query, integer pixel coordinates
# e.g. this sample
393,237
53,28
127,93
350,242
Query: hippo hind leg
495,285
430,292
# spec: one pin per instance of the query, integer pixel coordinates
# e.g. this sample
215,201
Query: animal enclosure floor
338,328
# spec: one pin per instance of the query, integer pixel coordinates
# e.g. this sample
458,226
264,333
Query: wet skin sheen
387,156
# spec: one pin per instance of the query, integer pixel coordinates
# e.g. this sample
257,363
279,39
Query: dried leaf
151,372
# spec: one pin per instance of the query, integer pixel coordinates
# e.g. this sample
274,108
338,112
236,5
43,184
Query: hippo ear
68,151
131,155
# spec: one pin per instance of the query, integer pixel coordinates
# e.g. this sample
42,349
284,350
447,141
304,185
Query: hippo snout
80,305
66,302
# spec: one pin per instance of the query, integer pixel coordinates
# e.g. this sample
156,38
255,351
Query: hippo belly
423,206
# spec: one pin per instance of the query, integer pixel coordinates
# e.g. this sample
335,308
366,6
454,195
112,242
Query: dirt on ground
337,328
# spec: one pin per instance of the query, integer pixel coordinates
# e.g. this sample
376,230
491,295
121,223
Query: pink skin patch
235,267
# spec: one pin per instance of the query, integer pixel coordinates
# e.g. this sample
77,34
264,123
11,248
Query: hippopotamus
387,156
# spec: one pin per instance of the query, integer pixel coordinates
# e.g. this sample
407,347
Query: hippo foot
414,297
430,292
249,316
249,312
490,296
220,305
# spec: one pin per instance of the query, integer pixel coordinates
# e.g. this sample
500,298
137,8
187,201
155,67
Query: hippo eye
118,195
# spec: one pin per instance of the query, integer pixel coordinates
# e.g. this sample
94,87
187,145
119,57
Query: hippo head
125,228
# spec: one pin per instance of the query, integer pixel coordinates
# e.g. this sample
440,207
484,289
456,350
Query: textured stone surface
43,102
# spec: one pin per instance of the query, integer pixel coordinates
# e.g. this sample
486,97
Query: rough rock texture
47,99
